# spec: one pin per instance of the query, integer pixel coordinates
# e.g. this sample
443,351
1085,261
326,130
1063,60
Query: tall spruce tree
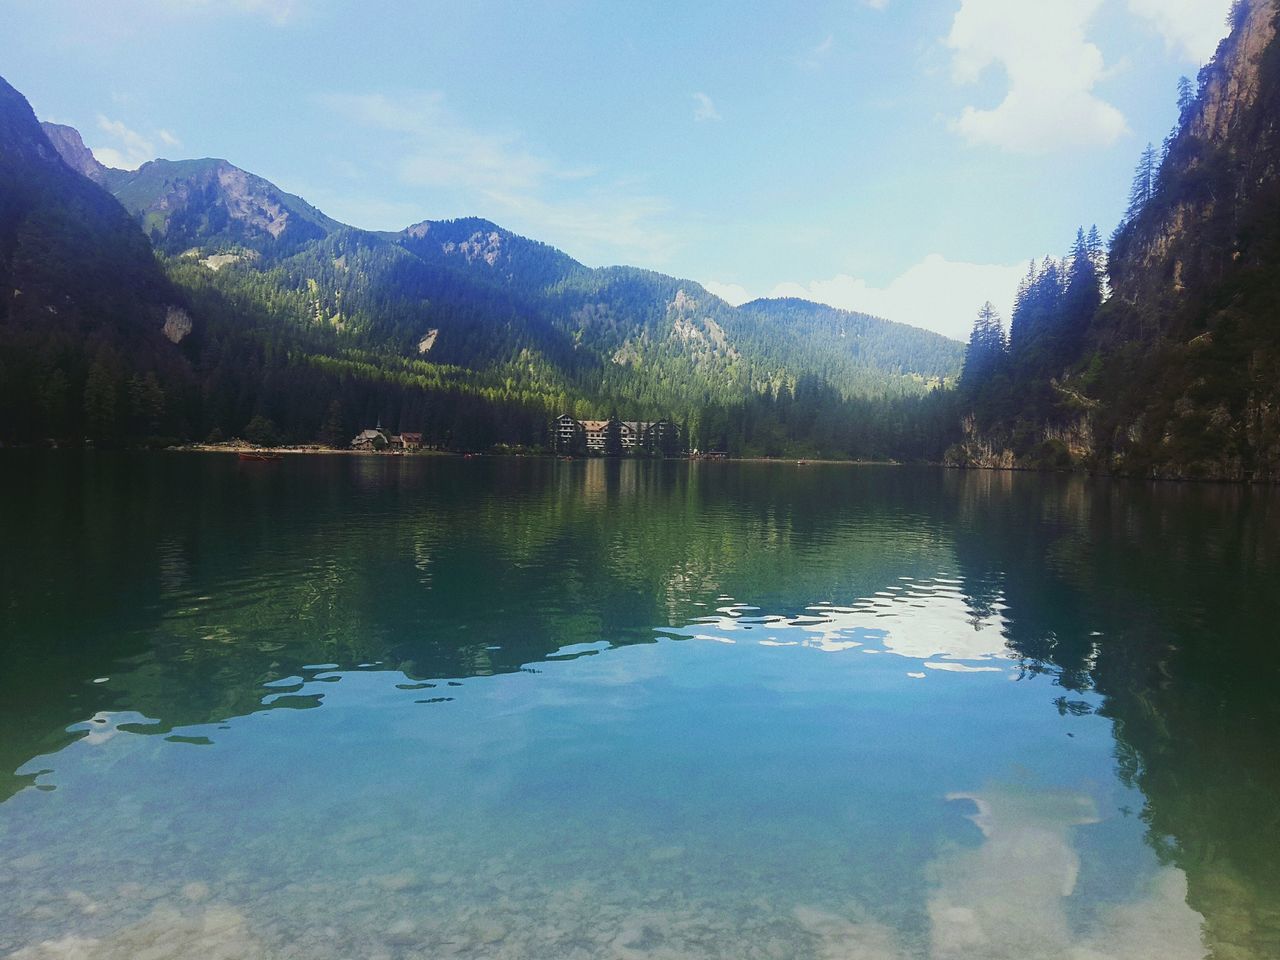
1186,100
986,349
613,436
1144,183
1081,299
1022,305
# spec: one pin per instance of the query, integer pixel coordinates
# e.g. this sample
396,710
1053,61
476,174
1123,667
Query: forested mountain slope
470,296
81,295
1177,373
261,309
469,293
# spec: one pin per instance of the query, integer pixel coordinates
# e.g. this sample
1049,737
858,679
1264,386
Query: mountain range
191,298
462,305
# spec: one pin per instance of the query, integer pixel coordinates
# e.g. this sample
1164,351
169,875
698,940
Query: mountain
210,203
470,294
65,246
67,141
84,304
829,339
1177,373
229,305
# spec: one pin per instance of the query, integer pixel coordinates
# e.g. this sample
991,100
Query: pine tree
334,431
613,436
1082,297
1186,100
1022,306
1098,256
1144,183
986,348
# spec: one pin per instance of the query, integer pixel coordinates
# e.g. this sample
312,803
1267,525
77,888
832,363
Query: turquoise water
425,707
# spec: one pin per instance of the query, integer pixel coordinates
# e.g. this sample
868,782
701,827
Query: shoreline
317,450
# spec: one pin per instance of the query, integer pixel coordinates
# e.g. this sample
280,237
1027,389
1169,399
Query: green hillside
308,328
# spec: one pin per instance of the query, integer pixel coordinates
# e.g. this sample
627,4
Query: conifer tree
1083,293
985,350
1022,306
1144,183
1186,100
613,436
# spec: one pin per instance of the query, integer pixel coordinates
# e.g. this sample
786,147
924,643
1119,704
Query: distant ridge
488,296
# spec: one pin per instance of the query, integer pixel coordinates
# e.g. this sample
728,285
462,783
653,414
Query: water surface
425,707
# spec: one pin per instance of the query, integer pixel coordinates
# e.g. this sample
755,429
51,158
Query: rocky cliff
1177,375
70,146
1192,386
1218,176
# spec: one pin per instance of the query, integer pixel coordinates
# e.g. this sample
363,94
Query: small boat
257,456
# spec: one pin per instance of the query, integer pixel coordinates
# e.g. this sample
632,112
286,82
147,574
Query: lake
393,707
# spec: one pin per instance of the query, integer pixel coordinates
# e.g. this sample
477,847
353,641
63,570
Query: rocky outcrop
210,203
67,141
1186,355
1231,84
979,450
177,324
1219,162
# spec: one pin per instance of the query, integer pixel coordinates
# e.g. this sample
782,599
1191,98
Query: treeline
812,419
1163,358
1013,380
458,330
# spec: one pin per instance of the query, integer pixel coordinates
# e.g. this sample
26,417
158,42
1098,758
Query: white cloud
498,175
877,4
731,293
936,294
126,149
1052,71
704,108
441,151
1191,27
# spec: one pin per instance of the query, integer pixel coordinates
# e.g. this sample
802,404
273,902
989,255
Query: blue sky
904,157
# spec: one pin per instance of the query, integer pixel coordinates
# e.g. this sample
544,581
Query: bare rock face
67,141
978,450
1233,80
177,324
479,246
1216,168
247,201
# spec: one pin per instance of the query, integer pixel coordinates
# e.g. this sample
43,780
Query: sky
906,158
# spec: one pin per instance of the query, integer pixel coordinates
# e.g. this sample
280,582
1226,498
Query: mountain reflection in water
386,706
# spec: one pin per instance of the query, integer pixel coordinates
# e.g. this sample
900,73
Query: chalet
408,440
595,430
651,435
568,432
375,439
632,433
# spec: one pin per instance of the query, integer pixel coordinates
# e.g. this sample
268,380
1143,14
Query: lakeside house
592,436
374,439
378,438
568,433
